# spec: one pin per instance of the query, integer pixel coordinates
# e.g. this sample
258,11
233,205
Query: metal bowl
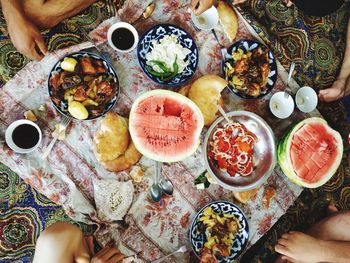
264,157
110,71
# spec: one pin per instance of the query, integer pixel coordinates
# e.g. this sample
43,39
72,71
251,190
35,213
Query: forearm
335,251
12,8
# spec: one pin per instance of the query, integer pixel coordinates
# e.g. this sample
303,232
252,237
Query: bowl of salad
241,154
168,55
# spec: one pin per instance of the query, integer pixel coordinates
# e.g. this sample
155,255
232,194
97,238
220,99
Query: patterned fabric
67,176
311,204
317,46
24,213
63,35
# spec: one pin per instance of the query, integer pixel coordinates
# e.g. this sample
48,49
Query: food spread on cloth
248,72
112,145
206,93
167,58
165,126
310,153
82,86
232,147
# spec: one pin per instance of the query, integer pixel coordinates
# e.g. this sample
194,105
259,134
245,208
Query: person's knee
60,231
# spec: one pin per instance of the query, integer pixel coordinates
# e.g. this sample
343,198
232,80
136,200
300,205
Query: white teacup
207,20
281,106
306,99
10,139
119,26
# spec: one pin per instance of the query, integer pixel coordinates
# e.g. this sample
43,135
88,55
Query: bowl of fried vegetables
83,85
219,232
251,71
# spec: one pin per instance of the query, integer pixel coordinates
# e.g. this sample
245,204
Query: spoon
223,113
224,53
287,89
166,186
182,249
155,191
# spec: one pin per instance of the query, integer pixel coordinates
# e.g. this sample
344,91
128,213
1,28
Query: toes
332,209
281,249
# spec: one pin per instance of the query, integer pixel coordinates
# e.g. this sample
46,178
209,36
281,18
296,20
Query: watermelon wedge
165,126
310,153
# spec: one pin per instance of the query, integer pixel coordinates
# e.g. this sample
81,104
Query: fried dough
112,138
206,93
125,161
244,197
228,19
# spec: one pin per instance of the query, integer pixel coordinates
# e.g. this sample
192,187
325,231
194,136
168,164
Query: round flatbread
112,138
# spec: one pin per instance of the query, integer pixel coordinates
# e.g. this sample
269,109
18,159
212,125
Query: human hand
288,2
26,37
299,247
108,255
335,92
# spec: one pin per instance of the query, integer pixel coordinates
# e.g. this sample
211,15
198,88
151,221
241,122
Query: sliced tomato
222,163
245,147
232,170
249,167
223,146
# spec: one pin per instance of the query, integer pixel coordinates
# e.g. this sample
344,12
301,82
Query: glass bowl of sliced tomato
241,154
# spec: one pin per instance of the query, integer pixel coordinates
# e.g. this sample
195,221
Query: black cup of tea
23,136
122,37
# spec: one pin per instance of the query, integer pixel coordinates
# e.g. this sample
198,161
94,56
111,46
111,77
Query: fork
287,90
224,53
182,249
61,127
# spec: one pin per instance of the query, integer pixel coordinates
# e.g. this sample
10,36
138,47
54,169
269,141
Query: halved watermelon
165,126
310,153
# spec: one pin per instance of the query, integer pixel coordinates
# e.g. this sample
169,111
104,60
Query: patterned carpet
315,44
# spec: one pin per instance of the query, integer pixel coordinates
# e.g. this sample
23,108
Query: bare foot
299,247
336,91
332,209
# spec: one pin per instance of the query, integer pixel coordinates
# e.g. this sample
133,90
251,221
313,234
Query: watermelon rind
138,142
284,160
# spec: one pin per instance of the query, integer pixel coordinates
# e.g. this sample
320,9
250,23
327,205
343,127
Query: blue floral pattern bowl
249,45
198,238
110,71
185,39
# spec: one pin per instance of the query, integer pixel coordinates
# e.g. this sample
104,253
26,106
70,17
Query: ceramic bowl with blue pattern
110,72
198,237
250,45
158,32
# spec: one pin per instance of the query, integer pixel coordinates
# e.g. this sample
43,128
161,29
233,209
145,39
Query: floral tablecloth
67,176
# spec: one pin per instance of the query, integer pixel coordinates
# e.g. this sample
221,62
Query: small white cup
207,20
280,106
124,25
11,143
306,99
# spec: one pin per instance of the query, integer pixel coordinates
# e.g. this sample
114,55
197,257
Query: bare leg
46,14
61,243
341,86
333,228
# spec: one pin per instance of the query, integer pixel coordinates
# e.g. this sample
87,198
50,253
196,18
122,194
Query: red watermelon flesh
312,151
165,126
